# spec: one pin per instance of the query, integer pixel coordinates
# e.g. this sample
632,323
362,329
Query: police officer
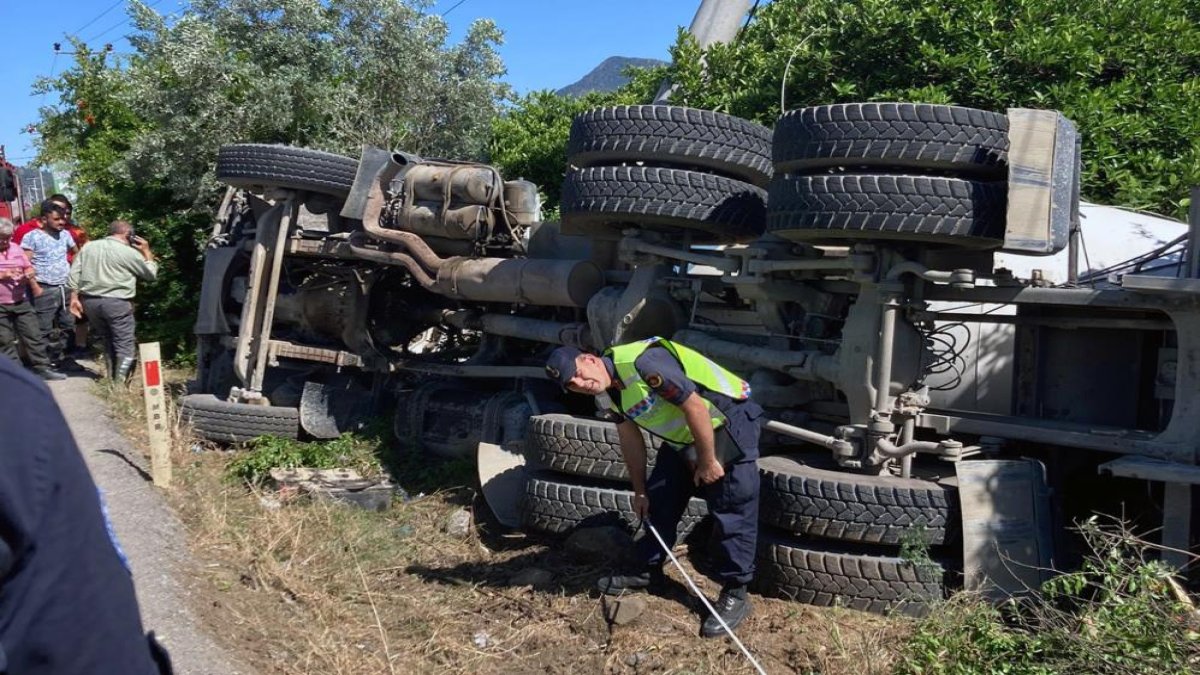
709,430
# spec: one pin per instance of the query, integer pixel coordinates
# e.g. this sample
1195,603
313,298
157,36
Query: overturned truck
871,269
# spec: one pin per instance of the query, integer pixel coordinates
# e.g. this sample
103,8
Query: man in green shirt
103,282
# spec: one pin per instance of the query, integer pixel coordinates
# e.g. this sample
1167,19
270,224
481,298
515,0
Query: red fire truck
11,205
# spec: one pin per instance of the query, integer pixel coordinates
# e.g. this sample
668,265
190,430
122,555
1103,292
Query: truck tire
803,494
899,135
226,422
823,576
667,135
580,446
219,377
605,200
928,209
254,166
557,508
440,418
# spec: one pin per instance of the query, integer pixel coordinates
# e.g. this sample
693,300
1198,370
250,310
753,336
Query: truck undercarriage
845,264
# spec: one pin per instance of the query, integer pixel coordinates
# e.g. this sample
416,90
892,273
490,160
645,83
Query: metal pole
810,365
243,360
883,365
907,431
717,262
1073,255
715,21
1193,250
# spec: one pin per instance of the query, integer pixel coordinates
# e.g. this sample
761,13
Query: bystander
17,319
103,283
81,237
36,223
47,249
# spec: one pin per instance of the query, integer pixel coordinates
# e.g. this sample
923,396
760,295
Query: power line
99,16
124,22
454,7
53,69
108,30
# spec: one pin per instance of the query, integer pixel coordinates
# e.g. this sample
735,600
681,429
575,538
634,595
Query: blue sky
548,43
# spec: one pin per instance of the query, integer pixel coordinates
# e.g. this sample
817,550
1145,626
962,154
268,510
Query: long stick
703,599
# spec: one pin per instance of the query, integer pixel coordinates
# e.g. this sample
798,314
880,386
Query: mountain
608,75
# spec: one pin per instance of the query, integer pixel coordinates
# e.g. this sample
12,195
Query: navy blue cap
560,367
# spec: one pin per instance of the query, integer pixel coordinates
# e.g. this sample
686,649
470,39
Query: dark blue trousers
732,501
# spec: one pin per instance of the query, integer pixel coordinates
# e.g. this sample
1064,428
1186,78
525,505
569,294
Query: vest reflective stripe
660,417
678,425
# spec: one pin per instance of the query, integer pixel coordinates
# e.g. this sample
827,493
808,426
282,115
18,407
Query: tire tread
828,577
672,134
256,165
902,135
555,507
603,200
217,420
930,208
580,446
819,502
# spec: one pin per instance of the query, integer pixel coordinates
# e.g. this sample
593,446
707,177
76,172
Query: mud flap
329,409
502,475
1007,545
210,317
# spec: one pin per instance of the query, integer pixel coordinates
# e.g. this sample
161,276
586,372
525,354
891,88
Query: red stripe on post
150,372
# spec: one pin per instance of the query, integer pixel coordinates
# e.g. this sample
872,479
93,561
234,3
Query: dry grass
317,587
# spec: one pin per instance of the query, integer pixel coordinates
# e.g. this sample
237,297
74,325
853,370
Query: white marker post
156,414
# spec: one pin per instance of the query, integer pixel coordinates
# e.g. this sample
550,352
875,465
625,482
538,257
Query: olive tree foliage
1126,71
139,133
327,74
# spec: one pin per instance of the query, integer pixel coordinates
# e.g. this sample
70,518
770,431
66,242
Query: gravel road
148,530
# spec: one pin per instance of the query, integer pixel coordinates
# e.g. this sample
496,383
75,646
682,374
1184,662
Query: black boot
649,579
49,374
124,368
733,606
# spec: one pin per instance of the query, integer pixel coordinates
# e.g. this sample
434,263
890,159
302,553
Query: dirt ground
311,586
301,585
314,587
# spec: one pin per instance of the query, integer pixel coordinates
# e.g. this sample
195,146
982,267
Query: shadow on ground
564,572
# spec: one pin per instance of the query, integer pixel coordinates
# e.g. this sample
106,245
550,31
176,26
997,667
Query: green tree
529,140
1126,71
139,134
92,132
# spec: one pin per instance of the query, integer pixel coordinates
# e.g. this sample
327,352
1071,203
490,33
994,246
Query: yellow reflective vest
641,404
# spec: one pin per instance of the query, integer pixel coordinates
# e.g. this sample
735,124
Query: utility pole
715,21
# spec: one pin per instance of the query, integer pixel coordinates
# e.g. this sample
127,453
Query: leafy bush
1120,613
371,451
1127,71
356,451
